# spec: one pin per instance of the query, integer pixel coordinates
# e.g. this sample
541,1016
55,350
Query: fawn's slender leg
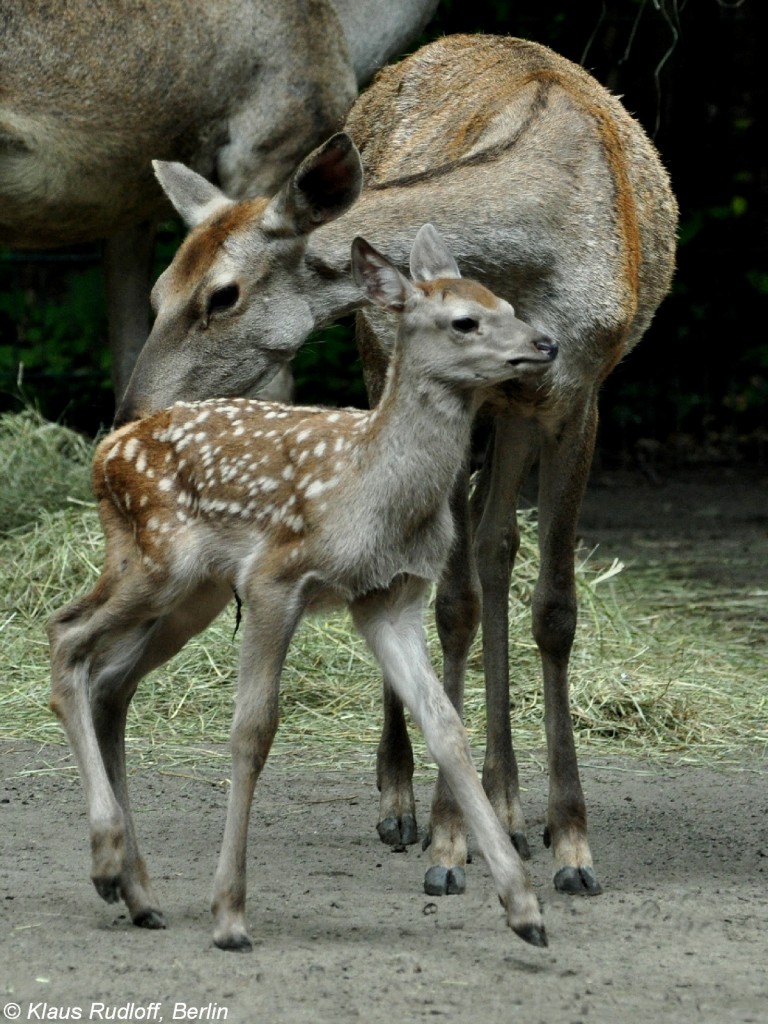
273,614
392,624
496,545
111,694
101,646
457,611
565,462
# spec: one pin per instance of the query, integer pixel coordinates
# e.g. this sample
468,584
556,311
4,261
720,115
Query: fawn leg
103,628
392,624
274,612
111,694
565,462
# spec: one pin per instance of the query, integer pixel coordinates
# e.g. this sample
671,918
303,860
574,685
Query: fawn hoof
237,942
150,918
520,843
440,881
108,889
577,882
398,831
533,934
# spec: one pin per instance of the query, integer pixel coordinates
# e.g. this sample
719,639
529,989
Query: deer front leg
457,613
565,462
128,271
394,775
273,614
392,625
497,539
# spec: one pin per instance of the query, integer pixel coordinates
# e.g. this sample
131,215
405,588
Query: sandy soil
342,928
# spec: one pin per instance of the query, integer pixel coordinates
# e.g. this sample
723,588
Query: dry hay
667,676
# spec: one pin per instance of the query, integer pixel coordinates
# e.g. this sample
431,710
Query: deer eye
465,324
223,298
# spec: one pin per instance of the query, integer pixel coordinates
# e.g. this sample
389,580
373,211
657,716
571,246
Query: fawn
291,507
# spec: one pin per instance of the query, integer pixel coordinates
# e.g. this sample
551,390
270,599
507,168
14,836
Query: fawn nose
546,346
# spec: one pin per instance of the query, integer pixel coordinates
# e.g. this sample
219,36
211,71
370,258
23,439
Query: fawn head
455,330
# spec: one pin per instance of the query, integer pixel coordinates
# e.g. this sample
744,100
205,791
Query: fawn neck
416,441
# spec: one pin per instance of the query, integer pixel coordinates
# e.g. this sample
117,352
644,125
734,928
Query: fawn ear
381,281
192,195
431,257
323,186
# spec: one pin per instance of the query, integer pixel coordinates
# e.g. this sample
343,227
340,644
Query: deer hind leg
392,624
111,692
274,612
457,611
497,539
86,637
101,646
565,463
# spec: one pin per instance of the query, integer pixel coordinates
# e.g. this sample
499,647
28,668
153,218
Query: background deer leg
128,269
273,614
392,624
457,612
394,757
497,540
565,463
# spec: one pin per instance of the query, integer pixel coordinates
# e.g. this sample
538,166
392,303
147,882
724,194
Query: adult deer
238,89
292,507
548,191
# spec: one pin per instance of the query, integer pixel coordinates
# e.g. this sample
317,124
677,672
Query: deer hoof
398,831
534,934
440,881
520,843
578,881
235,943
150,918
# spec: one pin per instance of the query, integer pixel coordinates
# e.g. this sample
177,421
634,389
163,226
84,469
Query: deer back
545,188
548,189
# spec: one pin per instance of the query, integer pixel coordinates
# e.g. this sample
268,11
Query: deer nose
546,345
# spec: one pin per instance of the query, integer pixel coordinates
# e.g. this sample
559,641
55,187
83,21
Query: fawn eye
465,324
223,298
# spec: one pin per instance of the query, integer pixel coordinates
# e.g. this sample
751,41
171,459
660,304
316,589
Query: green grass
659,666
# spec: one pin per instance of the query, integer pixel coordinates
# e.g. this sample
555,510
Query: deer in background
238,89
291,507
546,191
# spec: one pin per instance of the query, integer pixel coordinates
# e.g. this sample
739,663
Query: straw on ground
659,667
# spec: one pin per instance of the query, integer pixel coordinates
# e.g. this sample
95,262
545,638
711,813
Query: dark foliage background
697,387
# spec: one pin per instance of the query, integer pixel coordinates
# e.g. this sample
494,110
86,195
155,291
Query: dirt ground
342,929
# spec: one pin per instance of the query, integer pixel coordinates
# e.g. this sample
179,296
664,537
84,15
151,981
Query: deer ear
192,195
430,256
324,185
381,281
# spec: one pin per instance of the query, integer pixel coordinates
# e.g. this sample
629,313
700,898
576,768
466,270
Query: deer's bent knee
554,624
457,615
